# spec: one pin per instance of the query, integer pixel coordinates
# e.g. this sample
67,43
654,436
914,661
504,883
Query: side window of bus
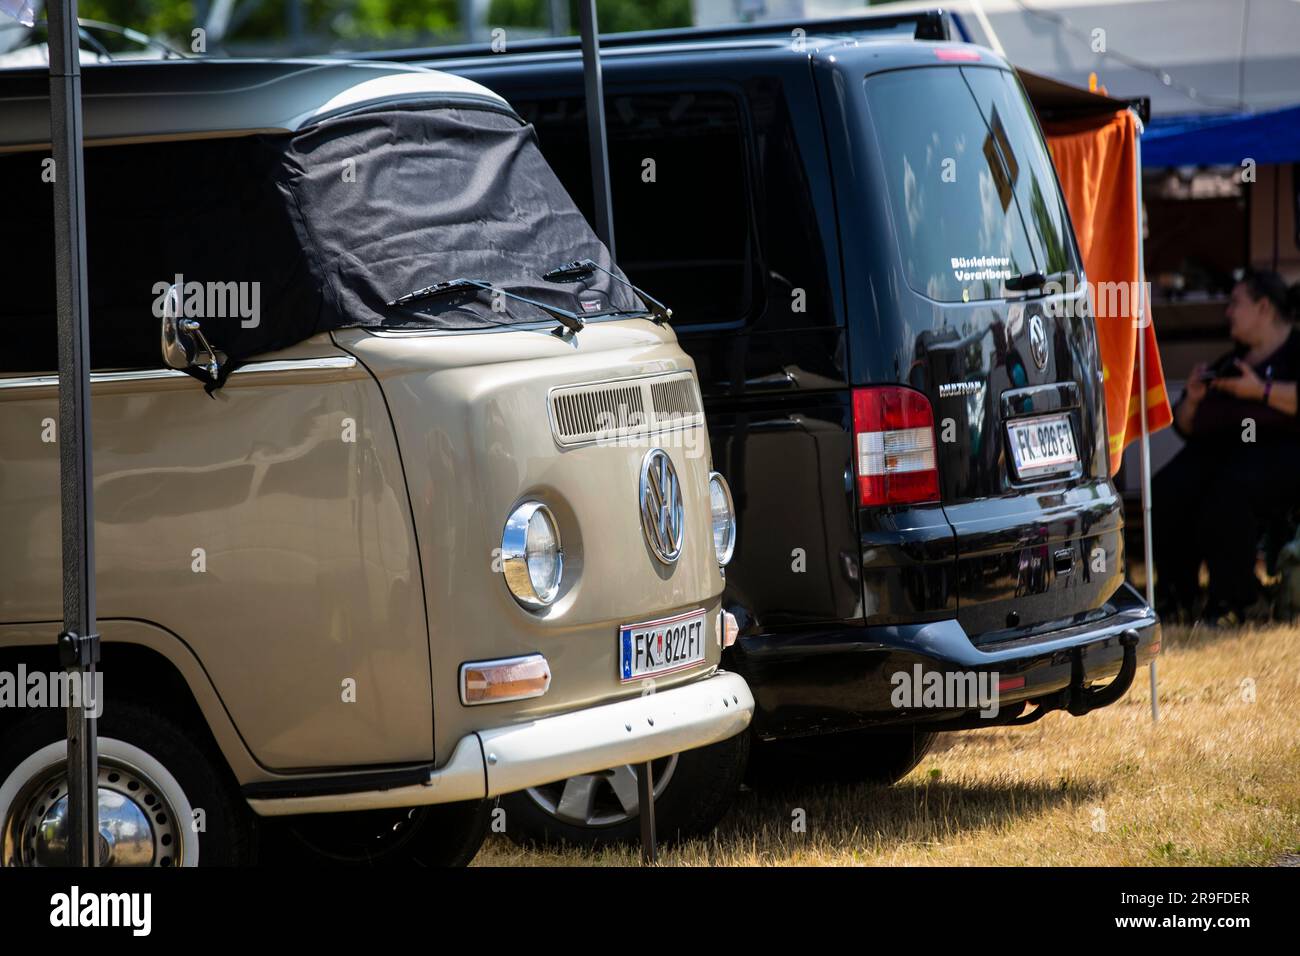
720,242
200,209
123,190
794,257
27,309
681,206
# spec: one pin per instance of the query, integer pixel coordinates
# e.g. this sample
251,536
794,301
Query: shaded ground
1215,782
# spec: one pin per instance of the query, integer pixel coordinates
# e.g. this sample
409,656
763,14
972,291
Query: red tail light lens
893,436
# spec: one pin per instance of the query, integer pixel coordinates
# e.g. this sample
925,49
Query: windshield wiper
569,320
1027,281
583,268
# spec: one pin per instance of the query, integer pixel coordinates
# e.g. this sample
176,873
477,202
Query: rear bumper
816,682
505,759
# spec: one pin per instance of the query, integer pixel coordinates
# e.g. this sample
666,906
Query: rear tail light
893,435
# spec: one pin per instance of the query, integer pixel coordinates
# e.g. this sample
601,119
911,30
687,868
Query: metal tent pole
78,642
1148,549
599,142
645,802
604,226
559,15
468,20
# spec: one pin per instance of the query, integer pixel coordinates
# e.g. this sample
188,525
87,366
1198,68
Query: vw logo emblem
662,516
1038,341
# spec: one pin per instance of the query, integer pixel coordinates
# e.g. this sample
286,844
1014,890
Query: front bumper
505,759
825,681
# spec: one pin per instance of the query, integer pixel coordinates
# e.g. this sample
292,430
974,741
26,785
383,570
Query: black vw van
869,258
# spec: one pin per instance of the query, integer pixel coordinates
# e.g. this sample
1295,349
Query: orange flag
1096,161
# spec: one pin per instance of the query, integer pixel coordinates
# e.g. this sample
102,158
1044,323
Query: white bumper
505,759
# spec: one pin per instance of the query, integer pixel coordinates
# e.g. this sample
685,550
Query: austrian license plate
661,647
1043,445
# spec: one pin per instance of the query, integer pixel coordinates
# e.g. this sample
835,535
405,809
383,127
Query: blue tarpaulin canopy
1223,140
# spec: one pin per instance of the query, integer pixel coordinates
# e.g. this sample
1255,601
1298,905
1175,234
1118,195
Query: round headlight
724,518
531,556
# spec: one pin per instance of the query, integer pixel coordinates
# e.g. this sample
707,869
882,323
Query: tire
693,790
850,756
160,778
434,836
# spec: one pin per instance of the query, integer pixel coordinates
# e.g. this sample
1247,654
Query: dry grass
1215,782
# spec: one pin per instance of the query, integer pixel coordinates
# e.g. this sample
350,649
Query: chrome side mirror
183,339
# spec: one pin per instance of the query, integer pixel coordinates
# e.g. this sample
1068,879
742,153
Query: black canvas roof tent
452,186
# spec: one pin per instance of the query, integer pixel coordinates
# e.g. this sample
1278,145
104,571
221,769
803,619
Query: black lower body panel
931,674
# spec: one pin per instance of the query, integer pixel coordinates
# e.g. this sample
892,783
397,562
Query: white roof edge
396,86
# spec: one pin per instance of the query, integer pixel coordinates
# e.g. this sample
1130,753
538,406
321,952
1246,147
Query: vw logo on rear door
1038,341
662,515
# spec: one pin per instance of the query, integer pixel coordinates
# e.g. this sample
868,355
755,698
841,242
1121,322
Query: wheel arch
146,664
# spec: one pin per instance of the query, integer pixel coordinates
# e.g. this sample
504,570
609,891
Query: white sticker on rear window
981,268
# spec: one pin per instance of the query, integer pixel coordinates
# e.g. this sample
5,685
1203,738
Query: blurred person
1240,468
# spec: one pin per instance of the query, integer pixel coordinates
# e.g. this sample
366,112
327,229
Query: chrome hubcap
137,826
602,799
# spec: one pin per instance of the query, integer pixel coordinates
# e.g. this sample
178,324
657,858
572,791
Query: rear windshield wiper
580,269
1026,281
569,320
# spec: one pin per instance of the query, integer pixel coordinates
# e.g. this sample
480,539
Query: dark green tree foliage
615,16
307,26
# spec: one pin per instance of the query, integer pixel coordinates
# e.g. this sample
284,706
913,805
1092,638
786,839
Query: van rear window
973,192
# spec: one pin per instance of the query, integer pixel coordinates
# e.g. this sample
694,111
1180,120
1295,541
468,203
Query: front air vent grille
598,409
675,398
626,408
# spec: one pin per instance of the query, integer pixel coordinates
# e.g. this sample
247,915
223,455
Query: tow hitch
1079,700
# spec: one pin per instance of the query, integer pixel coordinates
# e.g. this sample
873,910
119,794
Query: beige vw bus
403,495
